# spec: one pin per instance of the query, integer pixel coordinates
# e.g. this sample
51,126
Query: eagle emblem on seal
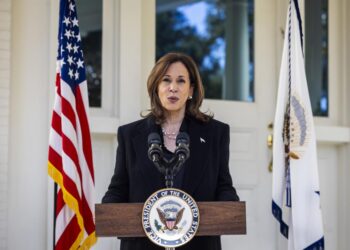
170,218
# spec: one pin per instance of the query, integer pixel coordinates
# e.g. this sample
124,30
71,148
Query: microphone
182,150
168,167
155,152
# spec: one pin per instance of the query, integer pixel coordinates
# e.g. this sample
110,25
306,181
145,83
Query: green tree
174,33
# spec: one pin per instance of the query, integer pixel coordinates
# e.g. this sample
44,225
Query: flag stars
66,20
70,73
72,33
71,6
78,37
68,34
70,60
69,47
62,62
71,57
75,48
75,22
80,63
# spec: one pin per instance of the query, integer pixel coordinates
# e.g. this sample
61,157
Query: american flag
70,155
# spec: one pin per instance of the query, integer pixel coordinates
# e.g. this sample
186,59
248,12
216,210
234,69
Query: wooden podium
124,219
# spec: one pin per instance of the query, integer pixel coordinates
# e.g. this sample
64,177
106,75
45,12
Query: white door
249,154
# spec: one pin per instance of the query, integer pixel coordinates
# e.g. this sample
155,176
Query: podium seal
170,217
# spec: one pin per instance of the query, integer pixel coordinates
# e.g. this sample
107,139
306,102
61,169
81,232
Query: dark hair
159,70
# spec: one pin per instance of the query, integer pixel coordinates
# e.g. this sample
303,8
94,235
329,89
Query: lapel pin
202,140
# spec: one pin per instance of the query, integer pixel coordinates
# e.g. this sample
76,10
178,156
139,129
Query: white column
5,53
236,83
130,60
29,115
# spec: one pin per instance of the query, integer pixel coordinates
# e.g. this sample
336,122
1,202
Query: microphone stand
170,172
169,168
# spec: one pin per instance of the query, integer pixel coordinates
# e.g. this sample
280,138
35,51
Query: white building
28,31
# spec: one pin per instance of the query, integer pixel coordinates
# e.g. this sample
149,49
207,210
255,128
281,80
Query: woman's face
175,88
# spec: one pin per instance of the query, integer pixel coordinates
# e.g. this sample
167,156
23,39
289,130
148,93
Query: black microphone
182,150
155,152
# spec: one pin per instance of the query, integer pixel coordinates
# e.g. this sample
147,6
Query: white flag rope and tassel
295,193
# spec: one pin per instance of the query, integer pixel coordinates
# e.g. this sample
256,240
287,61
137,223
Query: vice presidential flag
296,193
70,155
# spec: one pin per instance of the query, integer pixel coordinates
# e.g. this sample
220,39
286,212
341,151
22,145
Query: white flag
295,192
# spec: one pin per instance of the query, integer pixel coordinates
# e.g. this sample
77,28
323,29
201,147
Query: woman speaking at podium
176,93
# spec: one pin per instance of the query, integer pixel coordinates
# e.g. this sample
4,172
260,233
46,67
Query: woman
176,94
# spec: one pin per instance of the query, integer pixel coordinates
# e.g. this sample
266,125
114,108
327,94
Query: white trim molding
104,125
332,134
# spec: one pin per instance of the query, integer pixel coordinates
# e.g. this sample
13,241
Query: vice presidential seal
170,217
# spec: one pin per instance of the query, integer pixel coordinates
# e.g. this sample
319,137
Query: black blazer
206,172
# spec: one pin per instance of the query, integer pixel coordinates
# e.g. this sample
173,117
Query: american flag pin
201,140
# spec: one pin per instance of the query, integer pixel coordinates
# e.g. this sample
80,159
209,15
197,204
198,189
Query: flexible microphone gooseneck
169,167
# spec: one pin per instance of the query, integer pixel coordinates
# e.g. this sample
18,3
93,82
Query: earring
189,97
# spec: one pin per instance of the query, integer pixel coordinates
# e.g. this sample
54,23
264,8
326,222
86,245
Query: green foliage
174,33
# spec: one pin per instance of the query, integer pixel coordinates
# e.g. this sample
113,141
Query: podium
125,219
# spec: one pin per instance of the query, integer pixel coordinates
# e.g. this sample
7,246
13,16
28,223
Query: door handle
269,145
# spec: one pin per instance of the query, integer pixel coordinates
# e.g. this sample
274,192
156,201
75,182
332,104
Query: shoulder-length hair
155,77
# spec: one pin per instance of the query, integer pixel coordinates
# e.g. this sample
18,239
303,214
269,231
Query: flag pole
54,216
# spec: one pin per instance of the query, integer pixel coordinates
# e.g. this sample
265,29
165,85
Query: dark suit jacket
206,172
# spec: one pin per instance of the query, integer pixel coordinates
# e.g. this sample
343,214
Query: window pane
90,24
316,54
219,35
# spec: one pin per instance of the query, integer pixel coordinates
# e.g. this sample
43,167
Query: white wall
27,172
5,54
